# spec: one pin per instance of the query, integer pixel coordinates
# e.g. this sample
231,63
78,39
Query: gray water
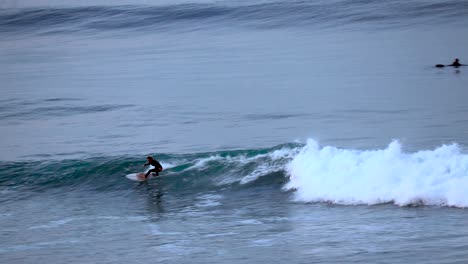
226,95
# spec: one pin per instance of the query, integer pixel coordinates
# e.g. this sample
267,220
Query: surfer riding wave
157,166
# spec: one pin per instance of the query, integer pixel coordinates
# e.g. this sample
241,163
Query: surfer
157,166
456,63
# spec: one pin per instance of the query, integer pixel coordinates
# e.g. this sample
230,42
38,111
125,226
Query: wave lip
351,177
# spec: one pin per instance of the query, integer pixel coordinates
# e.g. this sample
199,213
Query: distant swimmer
456,63
157,166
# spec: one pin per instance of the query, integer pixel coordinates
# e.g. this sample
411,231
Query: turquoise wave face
203,170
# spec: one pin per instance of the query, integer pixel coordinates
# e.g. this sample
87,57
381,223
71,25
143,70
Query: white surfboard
140,176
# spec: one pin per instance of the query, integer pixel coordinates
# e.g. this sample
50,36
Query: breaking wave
346,176
310,172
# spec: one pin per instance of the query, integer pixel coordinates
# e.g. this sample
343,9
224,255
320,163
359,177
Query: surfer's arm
146,164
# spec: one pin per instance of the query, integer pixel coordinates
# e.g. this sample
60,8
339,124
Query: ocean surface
290,131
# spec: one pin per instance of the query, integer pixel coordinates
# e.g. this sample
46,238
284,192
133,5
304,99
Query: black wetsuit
157,167
456,64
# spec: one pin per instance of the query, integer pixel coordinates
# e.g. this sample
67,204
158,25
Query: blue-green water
290,131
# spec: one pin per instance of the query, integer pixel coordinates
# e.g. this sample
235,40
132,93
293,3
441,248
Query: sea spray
346,176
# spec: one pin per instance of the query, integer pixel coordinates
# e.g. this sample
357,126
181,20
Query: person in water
157,166
456,63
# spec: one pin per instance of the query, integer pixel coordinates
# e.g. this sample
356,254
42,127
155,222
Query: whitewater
344,176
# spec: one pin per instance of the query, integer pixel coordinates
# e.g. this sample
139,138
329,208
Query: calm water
291,131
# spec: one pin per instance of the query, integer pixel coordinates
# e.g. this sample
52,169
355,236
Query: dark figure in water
157,166
456,63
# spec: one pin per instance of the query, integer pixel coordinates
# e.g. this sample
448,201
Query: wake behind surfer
157,166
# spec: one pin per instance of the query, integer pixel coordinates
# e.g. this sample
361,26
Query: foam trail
343,176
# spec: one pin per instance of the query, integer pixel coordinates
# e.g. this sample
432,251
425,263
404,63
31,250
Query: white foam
261,170
166,165
344,176
271,163
201,163
264,164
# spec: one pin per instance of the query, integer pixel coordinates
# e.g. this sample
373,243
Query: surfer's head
149,158
456,60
